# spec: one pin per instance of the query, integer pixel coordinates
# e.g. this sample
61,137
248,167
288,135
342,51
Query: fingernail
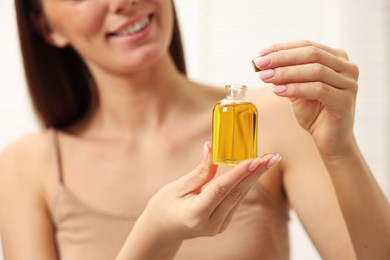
274,160
254,164
268,154
266,51
205,151
266,74
261,62
279,89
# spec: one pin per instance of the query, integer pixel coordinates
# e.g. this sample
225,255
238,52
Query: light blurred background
221,37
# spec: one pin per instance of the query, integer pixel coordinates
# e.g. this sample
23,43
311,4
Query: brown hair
61,88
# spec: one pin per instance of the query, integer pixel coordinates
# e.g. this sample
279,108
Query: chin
144,59
135,65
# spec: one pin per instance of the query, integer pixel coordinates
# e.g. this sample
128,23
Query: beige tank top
258,230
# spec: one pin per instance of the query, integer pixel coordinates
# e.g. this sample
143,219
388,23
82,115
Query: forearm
363,204
144,243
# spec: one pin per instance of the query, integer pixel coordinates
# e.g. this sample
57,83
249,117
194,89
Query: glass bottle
234,128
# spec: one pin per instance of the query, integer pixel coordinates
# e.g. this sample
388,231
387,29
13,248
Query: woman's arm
322,85
306,181
364,205
25,222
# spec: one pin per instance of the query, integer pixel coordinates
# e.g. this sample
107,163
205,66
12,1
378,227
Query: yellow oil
234,132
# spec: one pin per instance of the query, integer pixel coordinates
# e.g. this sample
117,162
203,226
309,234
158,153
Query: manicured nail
206,151
274,160
261,62
254,164
279,89
266,74
268,154
266,51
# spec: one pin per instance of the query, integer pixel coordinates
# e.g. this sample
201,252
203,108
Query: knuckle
320,89
220,192
355,70
236,194
314,53
307,42
319,70
342,53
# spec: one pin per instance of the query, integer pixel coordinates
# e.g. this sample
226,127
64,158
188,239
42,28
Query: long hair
61,87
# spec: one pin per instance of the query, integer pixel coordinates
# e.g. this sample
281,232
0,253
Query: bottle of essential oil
234,128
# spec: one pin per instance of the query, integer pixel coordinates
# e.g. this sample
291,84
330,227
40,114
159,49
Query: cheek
76,22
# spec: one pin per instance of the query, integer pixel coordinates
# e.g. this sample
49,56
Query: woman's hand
322,86
198,205
195,205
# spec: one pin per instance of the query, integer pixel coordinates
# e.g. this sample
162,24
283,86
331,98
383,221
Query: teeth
135,27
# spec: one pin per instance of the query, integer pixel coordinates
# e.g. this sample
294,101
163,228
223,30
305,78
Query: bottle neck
236,94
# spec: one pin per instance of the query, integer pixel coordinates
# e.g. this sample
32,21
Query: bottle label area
234,133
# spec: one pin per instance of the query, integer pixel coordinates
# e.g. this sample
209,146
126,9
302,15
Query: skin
314,98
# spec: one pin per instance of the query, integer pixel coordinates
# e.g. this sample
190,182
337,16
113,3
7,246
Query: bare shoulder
276,120
24,161
270,105
27,149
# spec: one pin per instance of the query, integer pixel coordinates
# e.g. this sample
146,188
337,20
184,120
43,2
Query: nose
121,6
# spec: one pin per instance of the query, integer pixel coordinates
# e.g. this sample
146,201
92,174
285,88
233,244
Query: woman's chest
258,230
121,177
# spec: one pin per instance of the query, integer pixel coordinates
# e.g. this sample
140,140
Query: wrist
338,148
348,156
146,242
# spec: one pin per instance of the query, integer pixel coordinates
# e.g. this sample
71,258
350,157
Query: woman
116,172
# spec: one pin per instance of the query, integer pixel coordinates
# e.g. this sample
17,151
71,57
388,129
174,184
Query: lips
133,27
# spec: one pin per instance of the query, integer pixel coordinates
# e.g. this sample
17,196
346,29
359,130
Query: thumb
202,174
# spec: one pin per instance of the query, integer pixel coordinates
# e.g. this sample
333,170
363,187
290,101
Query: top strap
57,155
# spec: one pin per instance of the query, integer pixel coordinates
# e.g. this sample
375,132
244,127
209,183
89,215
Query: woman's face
114,35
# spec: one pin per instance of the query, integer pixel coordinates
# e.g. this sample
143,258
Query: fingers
313,72
239,192
202,174
303,43
219,198
302,55
305,52
309,70
208,209
320,91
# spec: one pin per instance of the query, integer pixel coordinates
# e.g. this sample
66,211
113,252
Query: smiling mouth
133,28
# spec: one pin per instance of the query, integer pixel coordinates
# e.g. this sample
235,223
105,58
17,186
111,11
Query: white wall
15,112
222,36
